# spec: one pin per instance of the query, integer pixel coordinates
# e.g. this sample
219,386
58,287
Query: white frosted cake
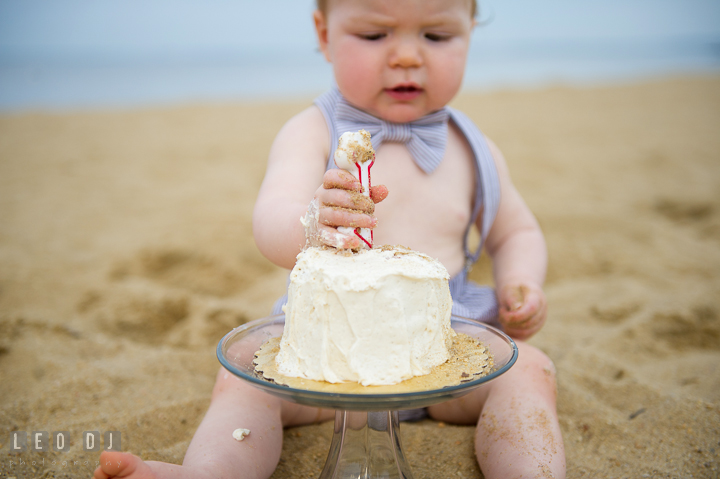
375,317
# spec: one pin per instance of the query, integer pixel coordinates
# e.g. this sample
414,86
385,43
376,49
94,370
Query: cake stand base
366,445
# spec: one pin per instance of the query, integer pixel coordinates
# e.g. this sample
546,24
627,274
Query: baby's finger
524,310
528,328
334,216
538,317
512,297
332,237
337,178
378,193
351,200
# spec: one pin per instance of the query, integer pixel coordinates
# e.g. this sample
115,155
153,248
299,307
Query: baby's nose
406,54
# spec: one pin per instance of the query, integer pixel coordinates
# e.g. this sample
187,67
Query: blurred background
80,54
134,136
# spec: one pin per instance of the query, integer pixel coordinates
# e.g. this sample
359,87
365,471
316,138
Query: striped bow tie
425,138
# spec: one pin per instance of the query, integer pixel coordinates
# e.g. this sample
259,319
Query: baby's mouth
404,92
407,88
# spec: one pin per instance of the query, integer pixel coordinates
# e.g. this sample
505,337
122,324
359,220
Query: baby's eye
437,37
372,36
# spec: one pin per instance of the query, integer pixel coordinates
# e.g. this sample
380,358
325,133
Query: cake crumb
240,433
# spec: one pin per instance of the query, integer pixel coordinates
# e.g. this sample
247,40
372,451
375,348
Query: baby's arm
296,175
517,248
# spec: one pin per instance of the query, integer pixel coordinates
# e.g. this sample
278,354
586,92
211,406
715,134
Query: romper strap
327,102
487,196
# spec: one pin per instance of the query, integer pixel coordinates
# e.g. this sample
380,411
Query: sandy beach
126,253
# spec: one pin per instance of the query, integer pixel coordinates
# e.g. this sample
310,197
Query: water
77,54
120,82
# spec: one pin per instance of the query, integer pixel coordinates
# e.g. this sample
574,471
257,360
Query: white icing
314,236
353,147
376,317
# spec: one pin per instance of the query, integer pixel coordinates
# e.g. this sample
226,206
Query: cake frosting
353,148
375,317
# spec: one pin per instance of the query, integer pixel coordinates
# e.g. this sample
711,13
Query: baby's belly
426,212
436,237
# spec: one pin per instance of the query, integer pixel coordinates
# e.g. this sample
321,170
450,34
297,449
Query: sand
126,253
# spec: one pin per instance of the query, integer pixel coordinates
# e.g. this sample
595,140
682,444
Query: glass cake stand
366,440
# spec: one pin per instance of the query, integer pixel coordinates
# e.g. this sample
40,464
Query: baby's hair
322,6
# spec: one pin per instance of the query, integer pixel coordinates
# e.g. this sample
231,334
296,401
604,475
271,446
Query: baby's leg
518,435
213,452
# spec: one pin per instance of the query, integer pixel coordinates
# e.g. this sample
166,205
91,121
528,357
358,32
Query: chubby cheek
445,79
358,75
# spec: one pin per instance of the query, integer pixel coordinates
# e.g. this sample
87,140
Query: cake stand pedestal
366,439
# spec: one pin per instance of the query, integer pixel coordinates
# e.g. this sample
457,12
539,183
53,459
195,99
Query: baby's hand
523,309
340,202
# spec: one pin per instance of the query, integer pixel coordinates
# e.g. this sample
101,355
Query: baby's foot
124,465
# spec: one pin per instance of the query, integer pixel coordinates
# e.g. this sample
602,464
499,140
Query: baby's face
399,59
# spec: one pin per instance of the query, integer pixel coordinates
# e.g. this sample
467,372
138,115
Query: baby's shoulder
465,128
309,123
467,134
305,135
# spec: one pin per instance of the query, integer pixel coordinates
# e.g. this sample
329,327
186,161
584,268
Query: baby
397,64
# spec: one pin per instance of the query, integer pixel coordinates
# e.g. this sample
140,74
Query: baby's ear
322,32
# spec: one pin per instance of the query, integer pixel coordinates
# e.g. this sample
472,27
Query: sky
159,26
53,45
